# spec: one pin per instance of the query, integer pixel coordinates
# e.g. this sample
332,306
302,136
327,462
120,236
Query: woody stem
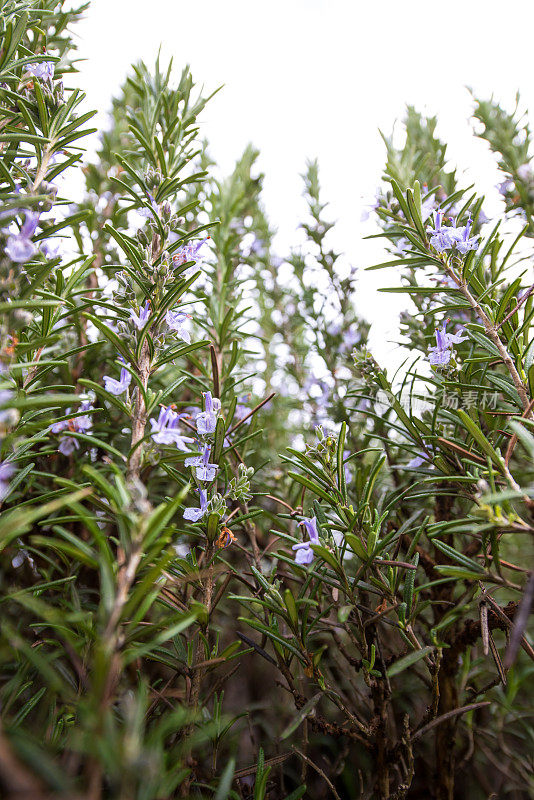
491,332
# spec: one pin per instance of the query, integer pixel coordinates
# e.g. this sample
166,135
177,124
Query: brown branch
15,777
454,713
251,413
317,769
492,334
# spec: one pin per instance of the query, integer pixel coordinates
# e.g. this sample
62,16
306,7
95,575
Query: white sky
307,78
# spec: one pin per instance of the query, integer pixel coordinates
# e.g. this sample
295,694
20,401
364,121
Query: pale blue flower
464,243
6,396
303,551
42,69
421,459
49,249
440,355
141,320
505,186
145,212
85,422
351,338
194,514
257,247
7,471
175,320
441,238
204,471
189,252
206,421
20,247
524,173
449,237
68,445
79,424
165,429
428,204
241,410
370,207
116,387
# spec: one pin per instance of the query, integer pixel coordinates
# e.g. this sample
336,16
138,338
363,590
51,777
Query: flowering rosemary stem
492,334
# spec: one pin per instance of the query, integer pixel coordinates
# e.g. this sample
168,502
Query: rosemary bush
239,560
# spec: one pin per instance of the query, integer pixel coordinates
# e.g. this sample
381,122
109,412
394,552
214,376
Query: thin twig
518,306
318,770
251,413
454,713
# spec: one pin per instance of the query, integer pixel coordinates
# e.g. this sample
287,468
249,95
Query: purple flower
49,250
447,281
401,247
206,421
524,173
144,314
303,552
116,387
12,212
419,460
370,207
42,69
79,424
194,514
464,244
145,212
441,235
20,247
68,445
175,320
505,187
257,247
204,470
188,252
448,237
6,396
241,410
165,429
442,352
6,472
351,338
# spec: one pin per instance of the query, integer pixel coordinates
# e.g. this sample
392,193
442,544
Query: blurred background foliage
161,635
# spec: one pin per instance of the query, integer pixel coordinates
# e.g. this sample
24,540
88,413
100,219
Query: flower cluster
79,424
449,237
440,355
44,70
189,252
203,469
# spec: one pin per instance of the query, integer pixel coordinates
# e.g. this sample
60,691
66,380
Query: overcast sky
317,78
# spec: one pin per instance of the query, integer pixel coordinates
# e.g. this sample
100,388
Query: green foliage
238,559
